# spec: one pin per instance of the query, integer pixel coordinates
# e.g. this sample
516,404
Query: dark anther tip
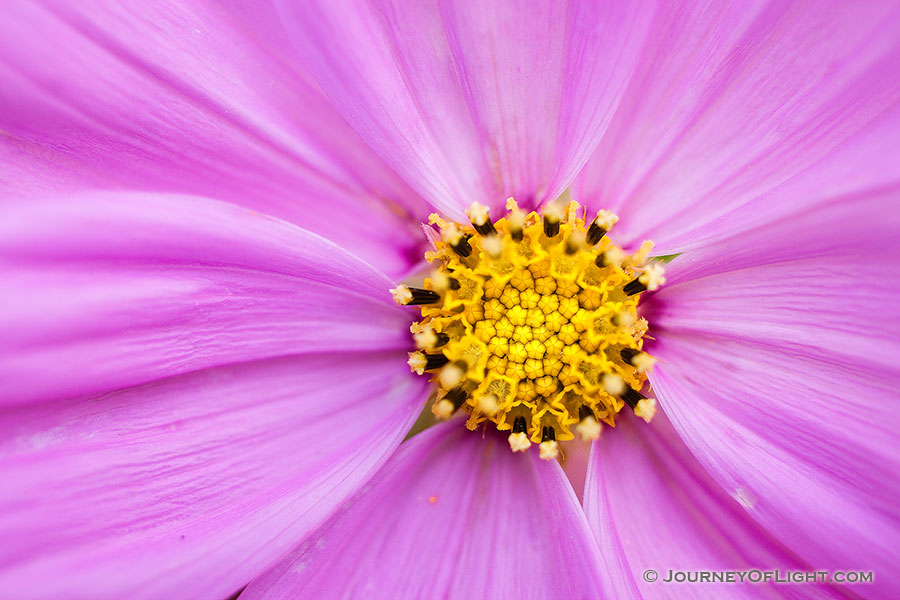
634,287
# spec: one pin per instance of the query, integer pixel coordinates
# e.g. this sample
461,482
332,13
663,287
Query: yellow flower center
531,323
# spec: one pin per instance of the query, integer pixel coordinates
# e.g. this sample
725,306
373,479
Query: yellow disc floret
530,322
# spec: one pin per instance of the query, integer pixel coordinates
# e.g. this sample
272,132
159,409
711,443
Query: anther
481,220
449,404
574,242
548,434
457,241
405,295
628,354
553,214
646,409
419,362
488,405
428,338
638,359
623,319
516,224
452,374
613,384
589,428
549,445
518,439
652,277
612,257
493,245
635,286
442,282
631,397
600,226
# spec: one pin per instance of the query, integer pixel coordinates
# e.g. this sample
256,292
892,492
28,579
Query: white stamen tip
450,376
614,384
614,256
426,338
519,442
575,241
624,319
488,405
402,295
493,245
516,221
478,213
606,219
450,234
653,276
643,362
417,363
589,429
442,410
553,212
549,450
646,409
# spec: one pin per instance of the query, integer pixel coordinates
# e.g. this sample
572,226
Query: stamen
600,226
612,257
641,361
518,439
452,374
634,287
549,445
457,241
652,277
589,428
614,384
419,362
488,405
646,409
481,220
631,397
553,214
574,242
493,245
429,339
441,282
405,295
443,409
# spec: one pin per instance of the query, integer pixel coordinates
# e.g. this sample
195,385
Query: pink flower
203,378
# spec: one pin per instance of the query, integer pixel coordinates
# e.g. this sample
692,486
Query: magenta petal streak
150,492
188,97
157,285
742,111
778,367
653,506
474,101
452,515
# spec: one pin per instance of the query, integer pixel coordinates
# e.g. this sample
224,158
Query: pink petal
474,101
113,290
763,106
191,486
453,514
653,507
188,97
782,377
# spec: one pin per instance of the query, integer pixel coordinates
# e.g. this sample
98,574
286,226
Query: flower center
530,322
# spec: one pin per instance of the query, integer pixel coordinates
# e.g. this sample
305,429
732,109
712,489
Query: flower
204,379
